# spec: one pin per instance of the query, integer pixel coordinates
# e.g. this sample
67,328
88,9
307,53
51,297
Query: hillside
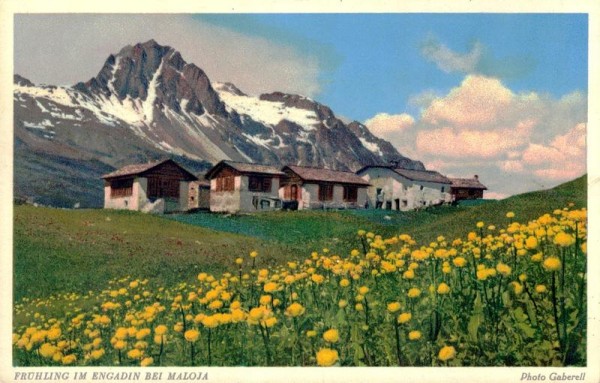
77,250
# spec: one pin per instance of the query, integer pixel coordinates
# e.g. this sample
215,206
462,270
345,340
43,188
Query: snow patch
371,146
148,105
267,112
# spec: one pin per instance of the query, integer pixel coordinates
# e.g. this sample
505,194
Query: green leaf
531,312
519,315
526,329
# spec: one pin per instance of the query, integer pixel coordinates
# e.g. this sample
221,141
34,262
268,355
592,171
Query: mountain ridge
147,102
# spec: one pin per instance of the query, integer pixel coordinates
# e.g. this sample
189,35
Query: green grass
80,250
59,250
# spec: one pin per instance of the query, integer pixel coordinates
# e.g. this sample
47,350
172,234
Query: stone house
317,188
395,188
156,187
244,187
199,194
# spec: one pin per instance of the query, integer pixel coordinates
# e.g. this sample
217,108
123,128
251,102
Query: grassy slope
79,250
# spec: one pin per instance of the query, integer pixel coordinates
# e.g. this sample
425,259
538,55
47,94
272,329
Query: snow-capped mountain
147,103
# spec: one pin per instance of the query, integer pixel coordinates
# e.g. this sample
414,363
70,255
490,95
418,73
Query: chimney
476,177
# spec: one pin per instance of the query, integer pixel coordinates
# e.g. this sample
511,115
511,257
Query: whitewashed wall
409,193
241,199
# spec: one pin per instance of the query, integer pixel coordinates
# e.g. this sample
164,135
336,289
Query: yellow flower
358,307
537,257
327,357
443,288
254,254
344,283
342,303
134,284
393,307
517,287
294,310
318,279
414,335
311,333
503,269
270,287
239,261
510,214
479,224
53,333
47,350
531,242
265,300
120,344
210,321
331,335
69,359
97,354
540,289
363,290
459,261
404,317
256,313
215,305
414,292
270,322
160,329
191,335
552,264
408,274
121,333
446,353
134,354
146,361
563,239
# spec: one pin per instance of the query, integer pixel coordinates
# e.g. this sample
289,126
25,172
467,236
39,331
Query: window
421,187
325,192
442,189
350,193
121,188
259,184
226,183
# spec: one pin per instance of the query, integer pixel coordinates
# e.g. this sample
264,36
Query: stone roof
413,175
326,175
468,183
246,168
135,169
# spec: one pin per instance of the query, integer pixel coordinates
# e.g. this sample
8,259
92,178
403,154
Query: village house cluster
234,187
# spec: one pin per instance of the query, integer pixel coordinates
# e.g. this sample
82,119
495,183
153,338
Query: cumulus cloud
448,60
63,49
515,142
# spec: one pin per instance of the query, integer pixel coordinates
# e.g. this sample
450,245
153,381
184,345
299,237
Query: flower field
498,297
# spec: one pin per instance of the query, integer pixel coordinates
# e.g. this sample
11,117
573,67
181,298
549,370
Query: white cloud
450,61
516,142
62,49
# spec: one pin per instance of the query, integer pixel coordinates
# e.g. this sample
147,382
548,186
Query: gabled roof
326,175
139,169
245,168
468,183
413,175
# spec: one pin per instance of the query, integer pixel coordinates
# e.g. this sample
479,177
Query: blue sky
503,96
373,63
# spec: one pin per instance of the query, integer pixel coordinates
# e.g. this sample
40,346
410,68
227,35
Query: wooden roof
244,168
326,175
413,175
467,183
139,169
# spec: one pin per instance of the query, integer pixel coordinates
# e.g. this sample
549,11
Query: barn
244,187
395,188
467,188
318,188
155,187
